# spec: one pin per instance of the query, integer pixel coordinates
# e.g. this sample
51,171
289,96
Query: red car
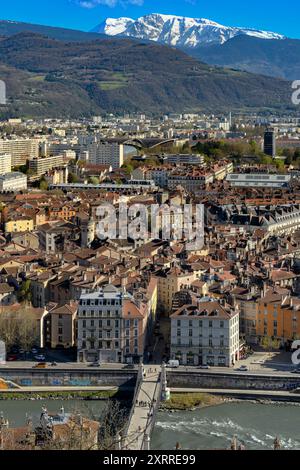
12,357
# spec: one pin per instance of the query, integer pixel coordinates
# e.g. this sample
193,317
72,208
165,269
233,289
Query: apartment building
20,150
5,163
191,180
184,159
170,281
19,223
13,181
256,180
111,326
221,170
40,166
39,287
157,174
278,317
106,153
205,334
60,325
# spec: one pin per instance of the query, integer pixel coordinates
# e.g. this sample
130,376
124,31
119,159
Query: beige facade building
169,282
60,325
20,150
5,163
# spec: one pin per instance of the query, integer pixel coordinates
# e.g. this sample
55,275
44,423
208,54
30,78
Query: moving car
40,365
95,364
243,368
204,367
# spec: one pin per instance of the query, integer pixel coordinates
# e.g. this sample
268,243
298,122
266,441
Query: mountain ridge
265,57
50,78
179,31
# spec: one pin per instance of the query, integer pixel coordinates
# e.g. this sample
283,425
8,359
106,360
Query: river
255,425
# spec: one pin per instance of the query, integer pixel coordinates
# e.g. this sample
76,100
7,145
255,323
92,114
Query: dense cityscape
149,261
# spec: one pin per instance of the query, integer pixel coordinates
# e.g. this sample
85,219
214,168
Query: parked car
40,357
243,368
95,364
173,363
34,350
12,357
129,366
204,367
53,364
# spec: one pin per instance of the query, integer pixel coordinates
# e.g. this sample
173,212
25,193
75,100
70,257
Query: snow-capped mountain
113,26
177,30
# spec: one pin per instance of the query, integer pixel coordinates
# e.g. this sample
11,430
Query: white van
173,363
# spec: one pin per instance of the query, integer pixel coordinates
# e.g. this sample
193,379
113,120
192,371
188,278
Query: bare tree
19,329
8,329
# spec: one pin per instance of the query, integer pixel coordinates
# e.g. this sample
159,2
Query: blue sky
282,17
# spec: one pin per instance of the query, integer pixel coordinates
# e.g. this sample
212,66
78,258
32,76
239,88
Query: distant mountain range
177,31
50,78
246,49
10,28
267,57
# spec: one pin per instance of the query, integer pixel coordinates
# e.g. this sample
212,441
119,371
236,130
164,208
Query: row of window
192,323
93,313
100,302
92,344
193,342
108,323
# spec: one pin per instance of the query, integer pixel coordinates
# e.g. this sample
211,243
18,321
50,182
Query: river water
255,425
17,411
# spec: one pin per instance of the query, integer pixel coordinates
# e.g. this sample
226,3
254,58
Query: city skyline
86,14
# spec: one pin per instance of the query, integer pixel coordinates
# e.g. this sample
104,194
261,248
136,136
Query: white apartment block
13,182
40,166
5,163
255,180
158,175
205,334
110,327
185,159
190,181
20,150
106,153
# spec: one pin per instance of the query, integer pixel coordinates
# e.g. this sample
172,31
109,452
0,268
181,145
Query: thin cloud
108,3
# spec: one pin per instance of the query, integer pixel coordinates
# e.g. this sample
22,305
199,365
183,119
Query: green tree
94,180
72,178
24,292
43,185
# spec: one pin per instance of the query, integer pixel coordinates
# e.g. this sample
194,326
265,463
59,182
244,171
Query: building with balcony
111,326
205,334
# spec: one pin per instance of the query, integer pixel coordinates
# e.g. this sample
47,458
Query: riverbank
190,401
67,395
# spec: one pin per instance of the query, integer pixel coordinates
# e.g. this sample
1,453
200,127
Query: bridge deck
147,400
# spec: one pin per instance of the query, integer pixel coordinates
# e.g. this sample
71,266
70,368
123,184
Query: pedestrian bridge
150,389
